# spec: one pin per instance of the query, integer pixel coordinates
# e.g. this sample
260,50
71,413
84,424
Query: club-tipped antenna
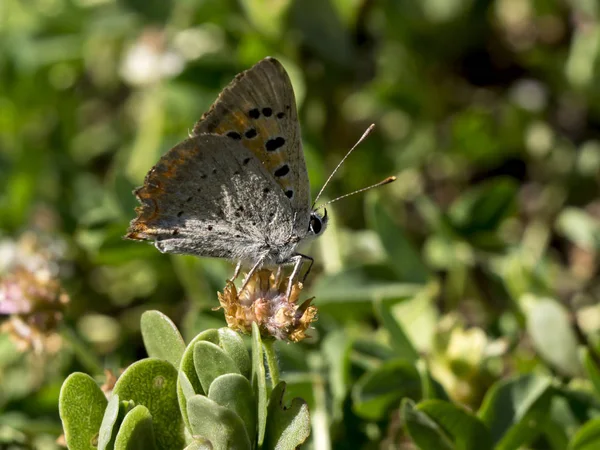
381,183
362,138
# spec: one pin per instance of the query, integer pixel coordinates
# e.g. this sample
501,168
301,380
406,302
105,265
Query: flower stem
268,345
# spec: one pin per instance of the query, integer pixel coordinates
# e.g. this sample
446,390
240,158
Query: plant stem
268,345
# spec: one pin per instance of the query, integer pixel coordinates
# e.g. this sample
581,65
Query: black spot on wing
246,161
235,136
251,133
274,143
280,115
282,171
267,112
289,193
254,113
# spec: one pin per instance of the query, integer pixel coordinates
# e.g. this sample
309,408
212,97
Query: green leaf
233,391
185,391
592,370
81,406
404,259
259,381
287,427
161,337
108,431
515,410
152,383
233,344
587,437
482,208
211,361
422,429
188,368
398,339
381,389
136,432
221,426
549,326
466,431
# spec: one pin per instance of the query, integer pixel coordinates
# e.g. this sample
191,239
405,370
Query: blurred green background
482,257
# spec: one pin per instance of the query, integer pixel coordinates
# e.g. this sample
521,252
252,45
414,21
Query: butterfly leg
278,275
236,273
312,261
297,266
299,259
249,275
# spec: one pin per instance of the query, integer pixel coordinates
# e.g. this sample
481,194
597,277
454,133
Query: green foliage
458,306
136,431
161,337
82,405
153,383
152,400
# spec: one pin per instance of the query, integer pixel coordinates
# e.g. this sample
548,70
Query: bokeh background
482,257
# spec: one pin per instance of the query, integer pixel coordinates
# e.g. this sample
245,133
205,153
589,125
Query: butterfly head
317,223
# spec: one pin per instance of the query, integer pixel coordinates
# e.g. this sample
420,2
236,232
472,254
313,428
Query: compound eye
315,225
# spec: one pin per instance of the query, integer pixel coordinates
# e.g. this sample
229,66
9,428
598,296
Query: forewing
258,109
210,196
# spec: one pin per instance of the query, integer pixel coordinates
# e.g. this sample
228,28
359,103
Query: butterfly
238,187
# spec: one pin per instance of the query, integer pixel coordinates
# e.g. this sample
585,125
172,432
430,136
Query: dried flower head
31,294
264,301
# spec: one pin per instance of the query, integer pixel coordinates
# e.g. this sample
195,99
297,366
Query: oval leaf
233,391
211,361
161,337
234,346
152,383
187,367
221,426
81,406
136,431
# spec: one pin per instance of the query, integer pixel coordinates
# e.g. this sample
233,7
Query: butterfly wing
210,196
258,109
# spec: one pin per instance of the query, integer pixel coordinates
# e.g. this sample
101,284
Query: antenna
388,180
362,138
